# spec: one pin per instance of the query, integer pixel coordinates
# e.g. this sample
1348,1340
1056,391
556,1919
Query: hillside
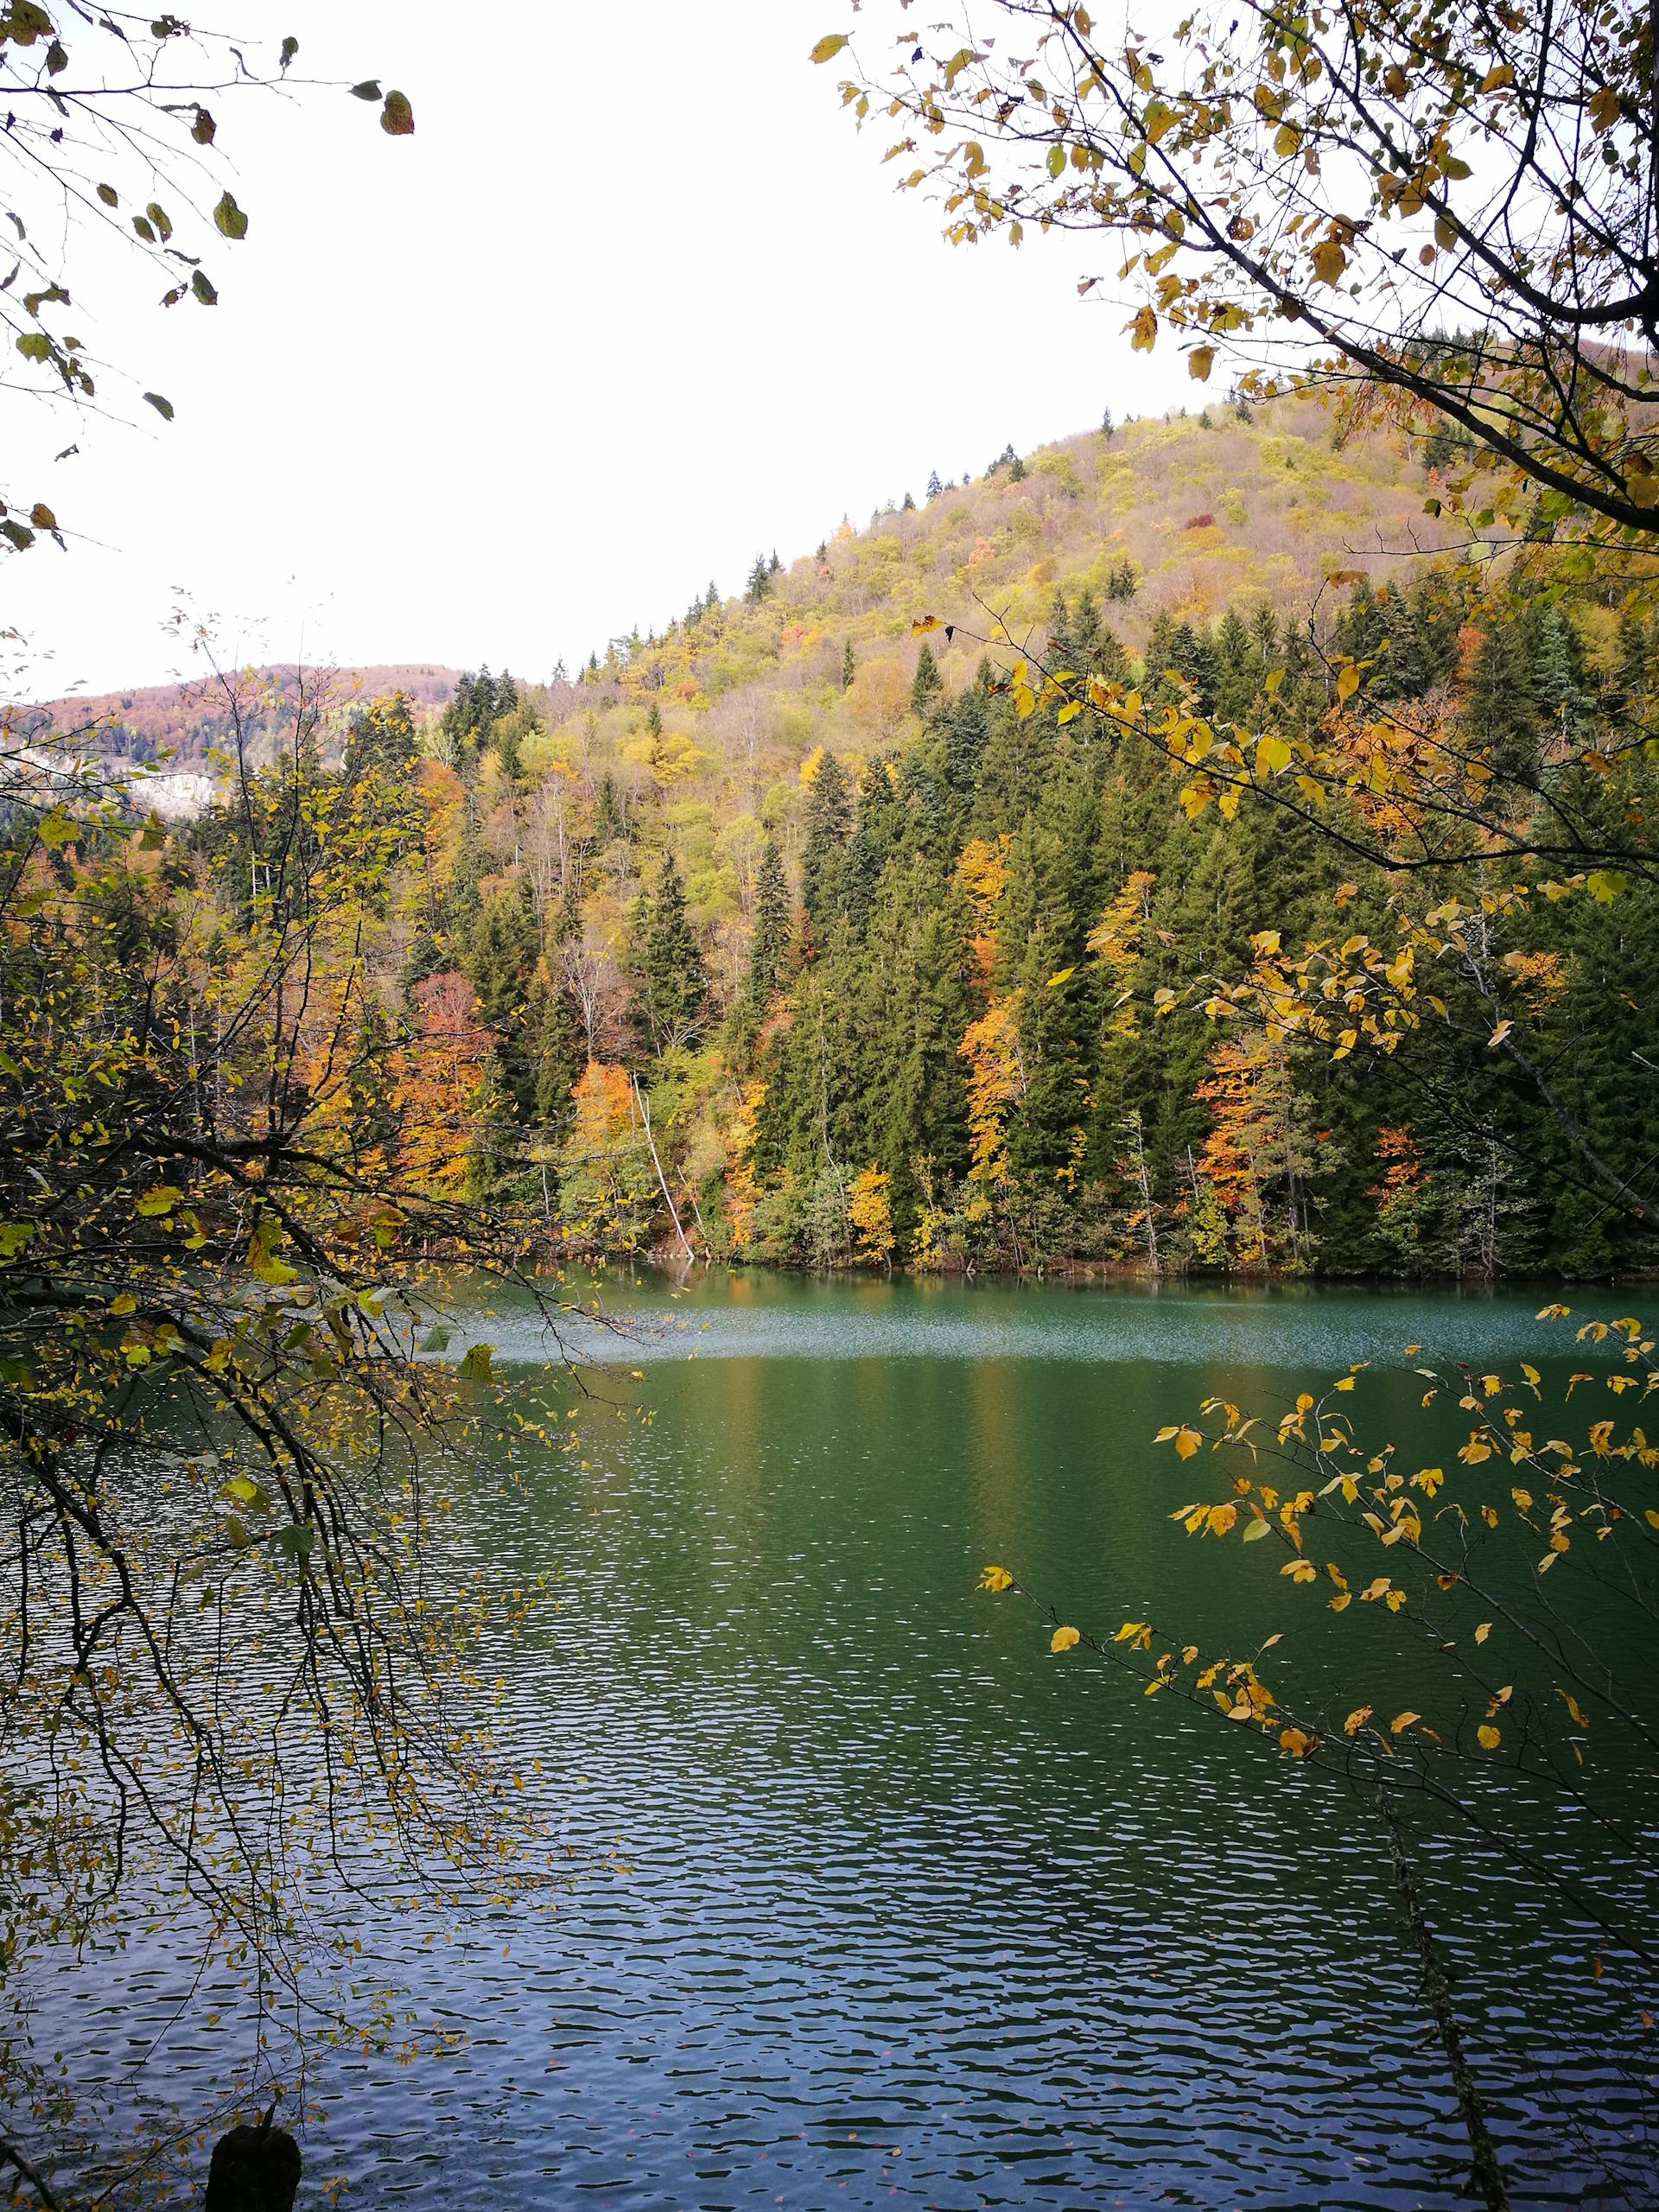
904,974
191,720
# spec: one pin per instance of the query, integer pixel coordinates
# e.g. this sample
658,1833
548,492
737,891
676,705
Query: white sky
636,301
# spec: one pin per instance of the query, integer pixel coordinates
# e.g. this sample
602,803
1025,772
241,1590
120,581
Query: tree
929,684
113,129
828,826
671,987
849,666
769,945
760,582
934,486
197,1098
1408,273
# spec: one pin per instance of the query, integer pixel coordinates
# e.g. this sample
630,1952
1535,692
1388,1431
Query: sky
630,306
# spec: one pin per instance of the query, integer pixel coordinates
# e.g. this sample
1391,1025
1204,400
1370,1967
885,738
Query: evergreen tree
769,945
828,826
760,582
557,1059
934,486
670,985
610,822
1016,470
1108,428
928,685
849,666
1497,704
908,507
495,1142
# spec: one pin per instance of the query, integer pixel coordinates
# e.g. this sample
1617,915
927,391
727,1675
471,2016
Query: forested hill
903,974
191,721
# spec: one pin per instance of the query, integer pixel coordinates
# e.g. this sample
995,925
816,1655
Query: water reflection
906,1912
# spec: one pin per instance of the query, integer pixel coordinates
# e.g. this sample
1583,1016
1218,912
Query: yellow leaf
1293,1741
1328,261
996,1578
1604,108
1187,1441
1488,1737
1200,361
1498,1035
125,1304
1064,1639
1347,680
1495,79
1482,1631
1272,754
1357,1720
1145,328
1061,975
1222,1518
924,622
1402,1720
1300,1570
828,48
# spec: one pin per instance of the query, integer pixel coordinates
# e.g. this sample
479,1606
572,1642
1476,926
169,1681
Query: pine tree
1497,703
670,985
1107,428
908,507
557,1059
769,945
934,486
829,825
967,725
760,582
849,666
928,685
495,1142
610,822
1016,470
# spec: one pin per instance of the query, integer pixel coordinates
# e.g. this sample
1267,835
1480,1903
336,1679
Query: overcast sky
628,307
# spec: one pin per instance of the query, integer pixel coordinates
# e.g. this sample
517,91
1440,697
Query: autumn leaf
1488,1737
996,1578
828,47
1064,1639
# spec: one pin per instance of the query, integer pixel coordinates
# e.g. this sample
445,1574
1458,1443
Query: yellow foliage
870,1209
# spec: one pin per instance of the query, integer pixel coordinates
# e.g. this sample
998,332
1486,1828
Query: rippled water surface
880,1905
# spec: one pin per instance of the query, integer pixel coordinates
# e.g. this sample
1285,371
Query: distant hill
192,719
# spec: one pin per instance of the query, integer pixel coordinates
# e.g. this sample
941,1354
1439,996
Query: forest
786,937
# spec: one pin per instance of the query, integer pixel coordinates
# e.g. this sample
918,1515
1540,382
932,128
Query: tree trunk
1487,2173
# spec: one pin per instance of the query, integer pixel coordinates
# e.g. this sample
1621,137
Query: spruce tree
849,666
829,825
556,1058
908,506
927,686
670,985
494,1144
934,486
760,582
1016,470
1107,428
769,945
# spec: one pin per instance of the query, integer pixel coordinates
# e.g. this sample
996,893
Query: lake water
880,1904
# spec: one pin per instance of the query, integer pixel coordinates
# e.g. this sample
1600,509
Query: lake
876,1903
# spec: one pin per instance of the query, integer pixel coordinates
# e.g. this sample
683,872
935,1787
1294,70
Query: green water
907,1911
